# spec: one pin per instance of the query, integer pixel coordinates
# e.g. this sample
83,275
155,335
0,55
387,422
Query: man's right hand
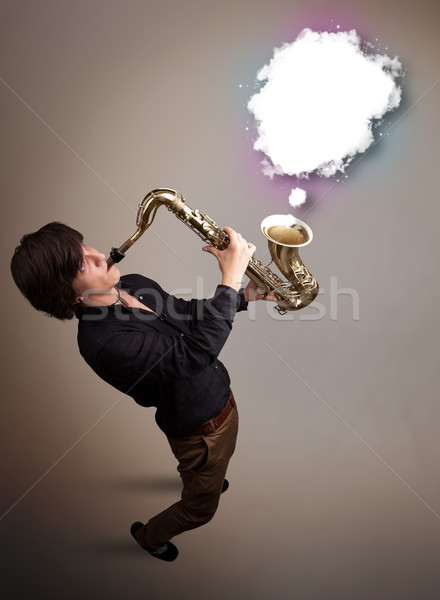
234,259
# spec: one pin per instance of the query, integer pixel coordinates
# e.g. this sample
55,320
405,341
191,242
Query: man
159,349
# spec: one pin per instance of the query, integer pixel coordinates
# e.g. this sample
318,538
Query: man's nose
96,257
96,254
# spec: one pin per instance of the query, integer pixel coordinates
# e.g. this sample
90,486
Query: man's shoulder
136,279
136,282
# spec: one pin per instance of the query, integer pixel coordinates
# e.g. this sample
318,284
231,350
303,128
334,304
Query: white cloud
321,99
297,197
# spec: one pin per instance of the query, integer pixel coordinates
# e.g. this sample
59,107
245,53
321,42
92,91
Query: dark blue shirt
167,360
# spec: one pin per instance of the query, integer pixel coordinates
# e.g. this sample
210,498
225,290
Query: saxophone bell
286,230
285,234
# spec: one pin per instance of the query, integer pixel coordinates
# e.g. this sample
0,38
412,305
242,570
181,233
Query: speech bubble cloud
297,197
323,95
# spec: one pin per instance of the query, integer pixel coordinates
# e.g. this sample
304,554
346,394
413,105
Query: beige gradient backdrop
334,484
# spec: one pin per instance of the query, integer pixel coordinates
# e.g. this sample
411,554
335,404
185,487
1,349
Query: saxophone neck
149,205
145,217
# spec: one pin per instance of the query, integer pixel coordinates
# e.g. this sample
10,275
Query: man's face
93,276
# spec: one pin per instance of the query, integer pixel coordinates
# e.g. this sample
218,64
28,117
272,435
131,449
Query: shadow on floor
117,547
148,484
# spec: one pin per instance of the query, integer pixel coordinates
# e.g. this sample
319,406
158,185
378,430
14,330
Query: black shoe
225,486
168,551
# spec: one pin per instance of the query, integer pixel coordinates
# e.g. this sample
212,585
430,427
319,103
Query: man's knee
200,514
205,517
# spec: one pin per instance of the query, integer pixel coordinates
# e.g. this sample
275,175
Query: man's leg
203,461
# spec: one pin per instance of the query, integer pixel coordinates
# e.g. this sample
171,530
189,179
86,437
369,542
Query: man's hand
251,293
234,259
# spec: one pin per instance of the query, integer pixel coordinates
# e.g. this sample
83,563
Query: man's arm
145,351
148,352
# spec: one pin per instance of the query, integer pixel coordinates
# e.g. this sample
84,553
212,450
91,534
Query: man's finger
211,250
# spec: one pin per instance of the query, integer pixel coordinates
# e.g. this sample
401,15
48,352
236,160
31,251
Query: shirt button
141,297
182,334
215,367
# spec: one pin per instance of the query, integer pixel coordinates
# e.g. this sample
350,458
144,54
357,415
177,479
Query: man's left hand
251,293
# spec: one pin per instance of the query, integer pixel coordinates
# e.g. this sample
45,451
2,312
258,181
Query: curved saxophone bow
285,234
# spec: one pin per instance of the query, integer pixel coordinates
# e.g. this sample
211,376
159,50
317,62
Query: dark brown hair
44,266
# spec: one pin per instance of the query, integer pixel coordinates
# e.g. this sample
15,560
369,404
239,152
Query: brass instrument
285,234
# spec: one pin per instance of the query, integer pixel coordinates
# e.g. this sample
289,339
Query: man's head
44,266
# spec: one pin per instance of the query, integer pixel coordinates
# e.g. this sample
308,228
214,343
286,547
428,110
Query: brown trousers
203,460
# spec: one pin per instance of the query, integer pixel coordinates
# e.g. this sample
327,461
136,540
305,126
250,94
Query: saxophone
284,232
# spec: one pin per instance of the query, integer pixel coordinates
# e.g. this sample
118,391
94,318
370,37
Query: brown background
334,485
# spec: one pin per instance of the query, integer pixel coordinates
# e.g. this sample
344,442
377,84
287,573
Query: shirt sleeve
149,353
191,309
243,303
192,306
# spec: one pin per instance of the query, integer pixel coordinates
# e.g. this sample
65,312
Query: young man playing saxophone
158,349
